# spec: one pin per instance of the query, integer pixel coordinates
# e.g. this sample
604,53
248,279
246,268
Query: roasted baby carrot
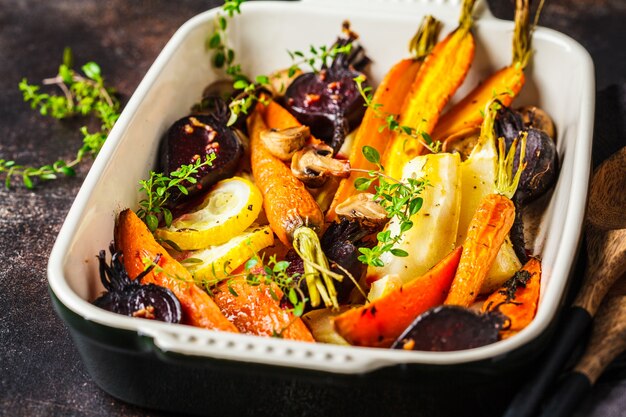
292,212
488,229
517,298
505,84
388,99
437,80
490,224
254,310
287,203
138,246
382,321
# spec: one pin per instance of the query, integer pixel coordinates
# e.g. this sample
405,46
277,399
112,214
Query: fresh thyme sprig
401,200
249,90
82,96
159,188
259,272
276,272
391,120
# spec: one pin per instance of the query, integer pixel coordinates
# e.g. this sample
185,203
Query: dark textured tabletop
41,373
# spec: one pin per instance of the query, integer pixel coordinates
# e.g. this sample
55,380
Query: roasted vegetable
328,101
292,213
542,162
283,143
437,80
504,84
388,98
227,210
380,322
288,205
489,227
480,172
255,309
487,232
517,299
196,136
131,298
439,211
449,328
314,165
138,246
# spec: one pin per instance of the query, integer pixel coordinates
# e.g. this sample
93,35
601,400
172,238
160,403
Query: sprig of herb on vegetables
391,120
249,90
159,188
81,96
401,200
259,272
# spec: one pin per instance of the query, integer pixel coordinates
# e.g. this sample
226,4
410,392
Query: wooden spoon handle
607,262
608,339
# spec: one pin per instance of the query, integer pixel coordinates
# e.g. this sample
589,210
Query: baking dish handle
220,346
481,9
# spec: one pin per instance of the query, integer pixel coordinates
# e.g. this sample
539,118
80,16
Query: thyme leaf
81,95
159,188
392,122
400,199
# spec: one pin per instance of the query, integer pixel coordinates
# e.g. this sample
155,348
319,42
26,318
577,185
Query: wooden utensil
606,252
608,340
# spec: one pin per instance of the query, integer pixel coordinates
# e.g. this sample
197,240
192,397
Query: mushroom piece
285,142
314,164
537,118
462,142
363,208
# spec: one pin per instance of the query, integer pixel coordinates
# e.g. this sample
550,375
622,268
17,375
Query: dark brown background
41,373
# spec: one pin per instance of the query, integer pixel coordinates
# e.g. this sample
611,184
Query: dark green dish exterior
130,367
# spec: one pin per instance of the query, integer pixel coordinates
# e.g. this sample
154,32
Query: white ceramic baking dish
560,80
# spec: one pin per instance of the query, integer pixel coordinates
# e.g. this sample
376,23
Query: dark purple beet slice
131,298
448,328
329,101
541,155
197,136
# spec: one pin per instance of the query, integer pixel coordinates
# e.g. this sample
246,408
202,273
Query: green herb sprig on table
391,120
401,200
82,95
159,188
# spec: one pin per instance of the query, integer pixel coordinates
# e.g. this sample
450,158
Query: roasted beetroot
541,167
130,297
448,328
541,156
198,136
329,101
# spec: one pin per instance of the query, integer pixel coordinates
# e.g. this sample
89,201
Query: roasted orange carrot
517,298
382,321
505,84
488,229
253,310
490,224
137,244
388,99
437,80
292,212
288,205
